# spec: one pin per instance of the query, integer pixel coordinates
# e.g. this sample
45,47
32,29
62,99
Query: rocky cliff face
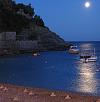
29,29
47,40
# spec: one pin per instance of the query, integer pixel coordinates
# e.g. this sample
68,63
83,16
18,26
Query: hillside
22,18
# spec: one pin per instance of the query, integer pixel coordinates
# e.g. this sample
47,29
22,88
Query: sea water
56,70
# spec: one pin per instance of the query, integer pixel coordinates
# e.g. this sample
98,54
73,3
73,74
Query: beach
51,71
13,93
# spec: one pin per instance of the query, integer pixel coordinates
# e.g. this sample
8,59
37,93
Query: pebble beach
13,93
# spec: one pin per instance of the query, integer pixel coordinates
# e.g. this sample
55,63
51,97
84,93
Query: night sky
70,18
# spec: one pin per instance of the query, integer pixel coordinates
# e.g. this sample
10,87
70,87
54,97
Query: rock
28,30
47,40
67,97
52,94
31,93
15,99
25,90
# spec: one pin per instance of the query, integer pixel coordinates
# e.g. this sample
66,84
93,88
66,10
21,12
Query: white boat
74,50
36,54
92,58
85,53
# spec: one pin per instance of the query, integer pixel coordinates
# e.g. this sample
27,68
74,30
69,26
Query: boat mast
94,51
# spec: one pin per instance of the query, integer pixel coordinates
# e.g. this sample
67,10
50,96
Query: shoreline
29,53
10,92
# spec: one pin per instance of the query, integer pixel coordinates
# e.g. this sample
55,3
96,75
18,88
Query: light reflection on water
87,78
54,70
86,46
87,73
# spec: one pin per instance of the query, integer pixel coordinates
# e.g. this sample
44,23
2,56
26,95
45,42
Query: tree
26,8
38,21
10,21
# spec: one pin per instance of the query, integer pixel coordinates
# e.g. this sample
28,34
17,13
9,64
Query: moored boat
92,59
74,50
36,53
88,57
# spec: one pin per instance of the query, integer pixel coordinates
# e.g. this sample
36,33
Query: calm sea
57,70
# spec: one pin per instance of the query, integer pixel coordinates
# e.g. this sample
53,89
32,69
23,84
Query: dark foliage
38,21
26,8
10,21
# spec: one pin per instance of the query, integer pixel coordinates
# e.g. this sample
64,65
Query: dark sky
69,18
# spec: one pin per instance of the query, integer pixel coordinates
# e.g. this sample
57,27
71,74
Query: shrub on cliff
10,20
38,21
27,9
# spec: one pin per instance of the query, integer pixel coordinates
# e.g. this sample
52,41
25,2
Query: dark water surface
54,70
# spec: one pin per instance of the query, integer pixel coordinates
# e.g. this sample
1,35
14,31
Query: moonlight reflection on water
87,78
56,70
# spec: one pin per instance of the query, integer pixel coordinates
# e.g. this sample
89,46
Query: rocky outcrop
47,40
28,29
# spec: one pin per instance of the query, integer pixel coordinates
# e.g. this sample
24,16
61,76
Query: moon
87,4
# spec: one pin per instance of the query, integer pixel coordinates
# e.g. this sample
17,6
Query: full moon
87,4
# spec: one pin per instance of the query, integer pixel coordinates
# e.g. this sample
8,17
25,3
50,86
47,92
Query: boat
36,53
85,53
74,50
93,58
88,57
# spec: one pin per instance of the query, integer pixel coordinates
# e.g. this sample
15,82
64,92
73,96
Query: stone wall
7,36
19,45
10,35
8,41
27,45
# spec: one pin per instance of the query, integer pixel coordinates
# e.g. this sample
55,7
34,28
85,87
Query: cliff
21,18
49,40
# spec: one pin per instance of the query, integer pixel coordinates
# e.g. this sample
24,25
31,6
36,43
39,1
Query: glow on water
54,70
88,82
